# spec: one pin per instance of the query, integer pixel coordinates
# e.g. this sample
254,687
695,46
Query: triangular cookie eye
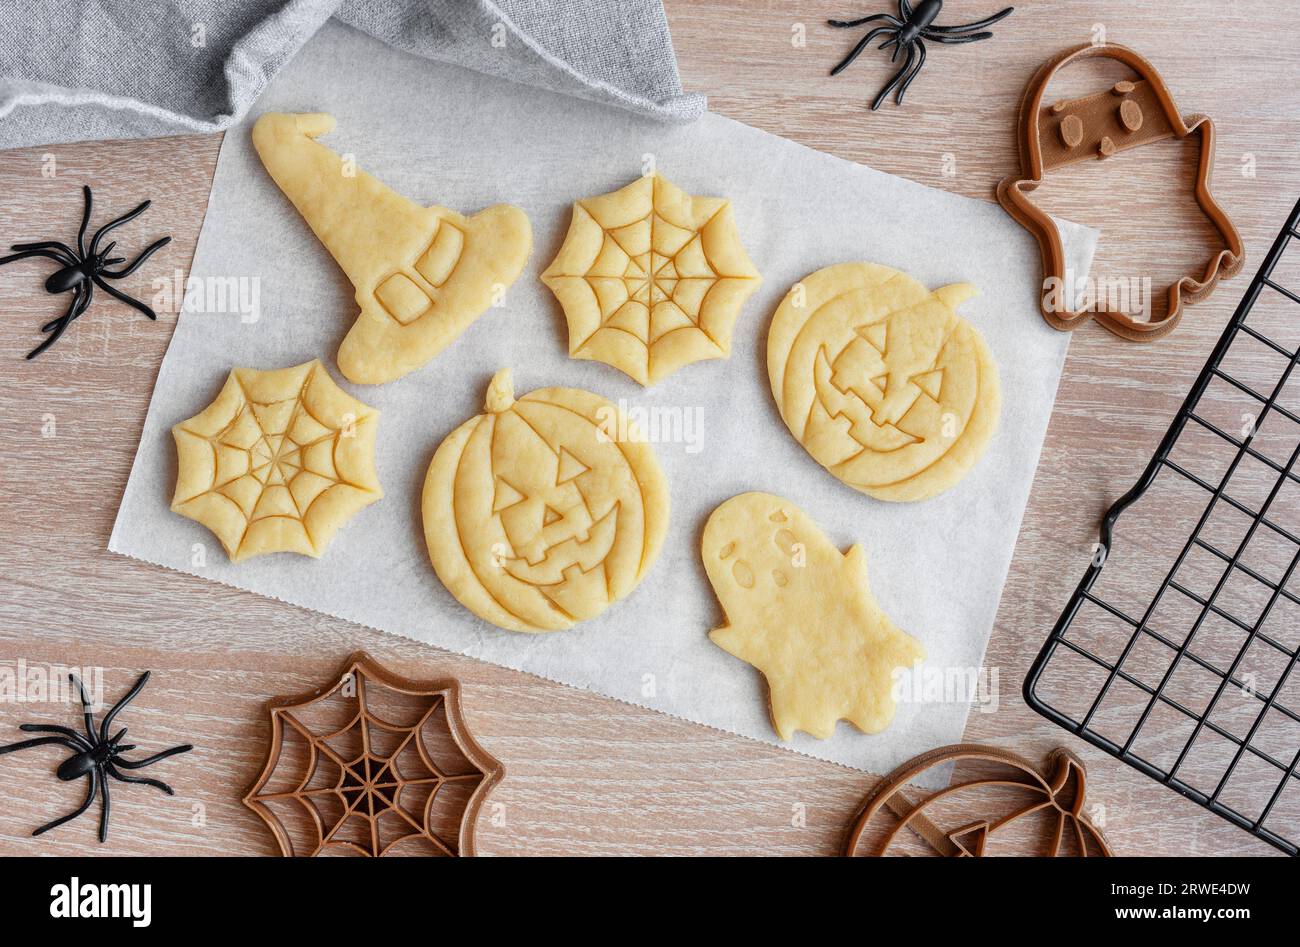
930,382
569,468
505,496
876,336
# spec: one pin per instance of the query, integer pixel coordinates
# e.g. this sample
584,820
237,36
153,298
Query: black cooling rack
1177,652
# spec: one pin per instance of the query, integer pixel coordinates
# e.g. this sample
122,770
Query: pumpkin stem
500,393
954,294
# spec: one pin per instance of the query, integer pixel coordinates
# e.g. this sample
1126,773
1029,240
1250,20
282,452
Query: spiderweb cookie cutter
1130,114
372,784
1054,789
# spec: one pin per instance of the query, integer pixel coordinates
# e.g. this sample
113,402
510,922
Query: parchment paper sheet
439,134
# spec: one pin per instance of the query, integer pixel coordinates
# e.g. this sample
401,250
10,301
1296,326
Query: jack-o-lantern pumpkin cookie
536,514
422,274
278,462
651,278
882,381
802,613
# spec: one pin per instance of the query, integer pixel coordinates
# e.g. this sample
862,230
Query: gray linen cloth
72,70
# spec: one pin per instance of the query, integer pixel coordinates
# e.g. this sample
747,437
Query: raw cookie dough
536,515
802,613
881,381
278,462
422,274
651,278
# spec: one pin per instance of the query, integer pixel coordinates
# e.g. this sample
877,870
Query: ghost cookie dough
881,381
278,462
422,274
802,613
537,515
651,278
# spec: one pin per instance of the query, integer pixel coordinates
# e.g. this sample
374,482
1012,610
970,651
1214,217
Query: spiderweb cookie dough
422,274
801,612
651,278
536,515
881,381
278,462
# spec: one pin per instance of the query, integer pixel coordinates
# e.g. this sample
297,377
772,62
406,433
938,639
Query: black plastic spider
910,29
84,269
97,755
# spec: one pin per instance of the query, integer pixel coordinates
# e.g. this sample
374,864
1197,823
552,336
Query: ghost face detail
761,570
881,380
534,519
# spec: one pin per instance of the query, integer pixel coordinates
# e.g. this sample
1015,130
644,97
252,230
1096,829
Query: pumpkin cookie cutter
1055,787
372,784
1130,114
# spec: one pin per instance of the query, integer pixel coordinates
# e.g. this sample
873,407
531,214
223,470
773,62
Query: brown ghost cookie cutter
1009,790
373,784
1130,114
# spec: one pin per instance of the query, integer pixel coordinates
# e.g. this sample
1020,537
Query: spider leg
85,221
81,688
844,24
857,50
47,245
904,10
952,40
150,760
68,732
107,720
103,811
119,295
42,741
114,224
145,780
898,77
55,327
977,25
79,304
28,254
90,797
138,261
60,250
916,70
69,817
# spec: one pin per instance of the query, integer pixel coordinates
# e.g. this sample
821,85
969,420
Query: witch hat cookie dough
422,274
882,381
801,612
278,462
536,515
651,278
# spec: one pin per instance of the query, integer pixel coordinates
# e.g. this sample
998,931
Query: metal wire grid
1245,748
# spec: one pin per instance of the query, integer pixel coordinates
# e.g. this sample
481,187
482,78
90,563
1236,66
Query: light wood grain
587,775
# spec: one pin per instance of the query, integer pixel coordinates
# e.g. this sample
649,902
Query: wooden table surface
589,775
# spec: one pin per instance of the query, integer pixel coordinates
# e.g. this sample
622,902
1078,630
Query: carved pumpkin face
881,381
534,518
